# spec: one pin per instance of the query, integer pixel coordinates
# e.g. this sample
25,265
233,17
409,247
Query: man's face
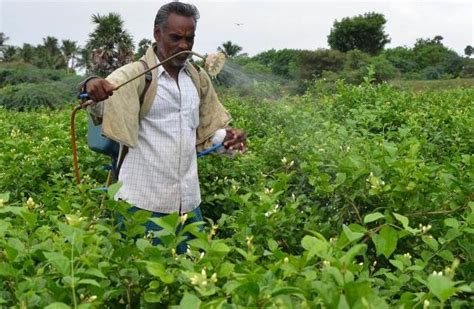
177,36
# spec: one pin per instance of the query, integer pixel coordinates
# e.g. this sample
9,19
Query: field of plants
363,198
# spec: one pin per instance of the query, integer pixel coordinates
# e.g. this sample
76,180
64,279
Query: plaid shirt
160,174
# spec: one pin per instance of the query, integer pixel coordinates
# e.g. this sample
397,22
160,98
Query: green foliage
402,58
17,72
26,87
27,96
362,32
468,69
281,62
313,63
358,199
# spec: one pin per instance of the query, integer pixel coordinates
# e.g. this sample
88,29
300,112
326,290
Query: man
180,112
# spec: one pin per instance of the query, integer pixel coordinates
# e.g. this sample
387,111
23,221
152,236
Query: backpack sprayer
213,64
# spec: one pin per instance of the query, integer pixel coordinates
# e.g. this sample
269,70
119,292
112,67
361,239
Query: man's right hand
99,89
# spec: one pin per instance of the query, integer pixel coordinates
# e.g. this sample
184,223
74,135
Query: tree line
356,43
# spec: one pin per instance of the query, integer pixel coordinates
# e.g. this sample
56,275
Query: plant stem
73,287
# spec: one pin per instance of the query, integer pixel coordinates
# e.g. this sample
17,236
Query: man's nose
185,45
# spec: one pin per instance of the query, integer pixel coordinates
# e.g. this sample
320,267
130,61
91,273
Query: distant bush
26,87
281,62
384,69
402,58
468,69
356,59
28,96
18,73
313,63
256,67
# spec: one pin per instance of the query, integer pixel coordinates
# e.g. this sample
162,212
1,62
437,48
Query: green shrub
18,73
313,63
402,58
281,62
468,69
27,96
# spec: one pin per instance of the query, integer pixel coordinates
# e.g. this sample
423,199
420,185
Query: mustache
187,55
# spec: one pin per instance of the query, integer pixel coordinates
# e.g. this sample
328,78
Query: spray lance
213,64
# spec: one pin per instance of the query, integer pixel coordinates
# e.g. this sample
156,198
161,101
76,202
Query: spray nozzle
213,63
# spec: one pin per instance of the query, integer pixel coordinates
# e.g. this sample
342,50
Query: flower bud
183,218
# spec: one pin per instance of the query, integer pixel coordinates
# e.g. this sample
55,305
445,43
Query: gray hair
178,8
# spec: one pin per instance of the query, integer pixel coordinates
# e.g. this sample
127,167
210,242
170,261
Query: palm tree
69,50
3,39
142,47
27,53
49,54
110,44
9,53
84,59
230,49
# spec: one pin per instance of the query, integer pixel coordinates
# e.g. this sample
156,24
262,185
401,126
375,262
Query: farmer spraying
160,124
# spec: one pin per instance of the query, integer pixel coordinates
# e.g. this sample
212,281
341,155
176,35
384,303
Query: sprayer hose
74,144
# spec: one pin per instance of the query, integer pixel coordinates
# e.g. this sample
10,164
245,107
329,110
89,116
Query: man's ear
157,34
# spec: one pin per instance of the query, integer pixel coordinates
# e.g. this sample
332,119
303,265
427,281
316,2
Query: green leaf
431,242
373,217
7,270
315,246
447,255
151,297
352,236
113,189
342,304
158,270
248,289
218,247
386,241
5,196
226,269
451,222
405,223
340,178
287,291
190,301
58,261
349,256
95,272
441,286
57,306
169,222
272,244
398,264
89,282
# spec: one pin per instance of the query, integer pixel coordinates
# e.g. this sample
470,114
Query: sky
257,25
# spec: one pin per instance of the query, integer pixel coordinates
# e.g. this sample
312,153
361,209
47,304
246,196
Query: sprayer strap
124,149
148,79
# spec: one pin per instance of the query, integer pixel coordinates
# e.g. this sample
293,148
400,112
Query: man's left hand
235,139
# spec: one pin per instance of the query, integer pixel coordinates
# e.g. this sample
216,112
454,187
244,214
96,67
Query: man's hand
235,140
99,89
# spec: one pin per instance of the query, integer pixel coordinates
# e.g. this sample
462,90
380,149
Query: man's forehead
176,21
